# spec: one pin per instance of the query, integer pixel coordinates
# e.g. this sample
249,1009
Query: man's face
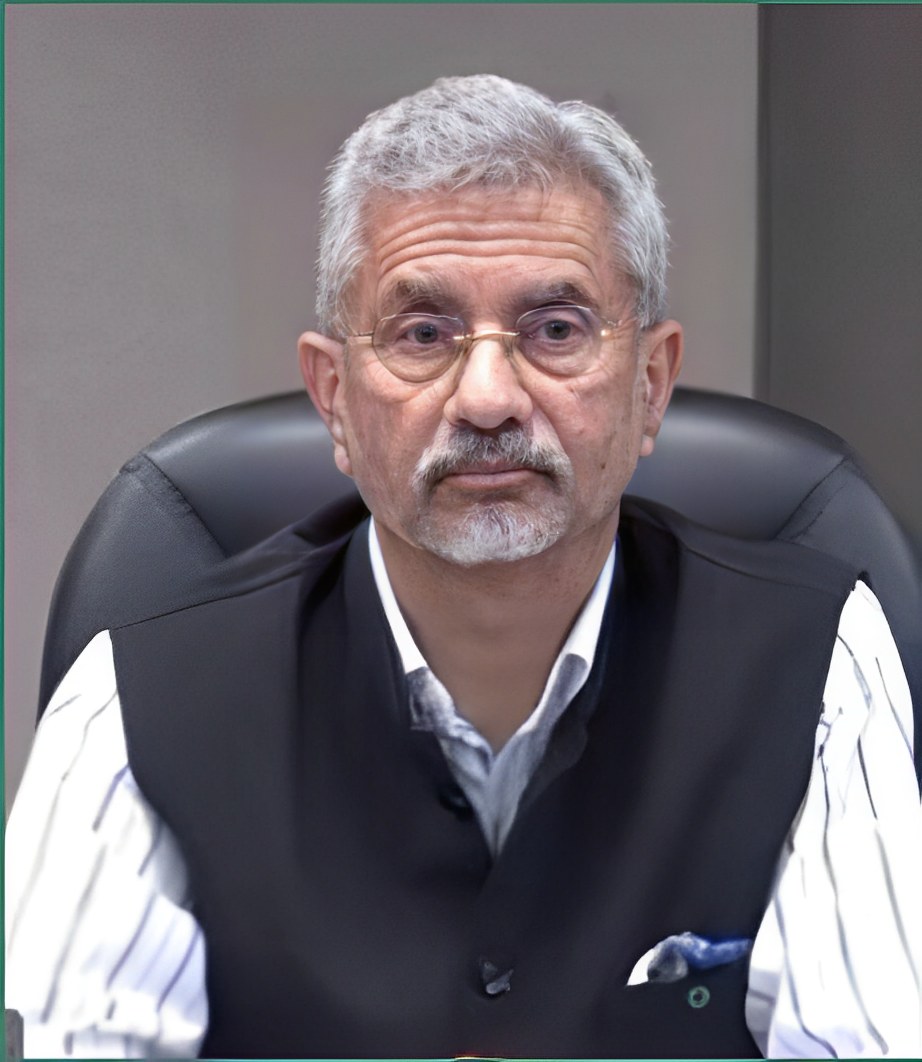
495,460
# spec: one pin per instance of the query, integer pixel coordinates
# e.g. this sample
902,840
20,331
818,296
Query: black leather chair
222,481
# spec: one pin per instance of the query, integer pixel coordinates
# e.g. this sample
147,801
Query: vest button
452,797
698,997
495,981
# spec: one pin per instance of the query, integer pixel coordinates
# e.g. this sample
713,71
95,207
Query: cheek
601,431
375,442
386,436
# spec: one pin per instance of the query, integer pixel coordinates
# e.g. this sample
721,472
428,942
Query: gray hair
486,131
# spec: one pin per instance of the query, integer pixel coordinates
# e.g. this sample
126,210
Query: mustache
467,448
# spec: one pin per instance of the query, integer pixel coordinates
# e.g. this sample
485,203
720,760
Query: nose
488,391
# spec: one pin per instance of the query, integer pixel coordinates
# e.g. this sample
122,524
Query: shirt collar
581,642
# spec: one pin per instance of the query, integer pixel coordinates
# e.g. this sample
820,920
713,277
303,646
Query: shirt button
452,797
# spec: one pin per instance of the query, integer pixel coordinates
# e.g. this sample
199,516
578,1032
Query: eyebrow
418,292
559,291
431,293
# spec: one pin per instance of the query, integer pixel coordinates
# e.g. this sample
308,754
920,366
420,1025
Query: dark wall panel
842,231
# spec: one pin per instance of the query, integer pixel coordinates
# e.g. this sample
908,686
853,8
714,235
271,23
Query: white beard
498,530
492,533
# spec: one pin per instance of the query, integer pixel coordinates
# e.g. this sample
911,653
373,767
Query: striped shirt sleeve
103,956
837,965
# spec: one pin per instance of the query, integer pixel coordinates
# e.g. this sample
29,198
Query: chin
492,535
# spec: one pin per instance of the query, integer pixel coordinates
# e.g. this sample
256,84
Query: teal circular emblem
698,997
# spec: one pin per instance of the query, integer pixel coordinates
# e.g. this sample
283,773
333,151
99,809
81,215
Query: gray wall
163,165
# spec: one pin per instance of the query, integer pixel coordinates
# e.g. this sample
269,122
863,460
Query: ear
661,359
321,361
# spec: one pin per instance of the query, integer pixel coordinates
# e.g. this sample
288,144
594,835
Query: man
518,767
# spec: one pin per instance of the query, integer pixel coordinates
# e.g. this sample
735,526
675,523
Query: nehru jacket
350,904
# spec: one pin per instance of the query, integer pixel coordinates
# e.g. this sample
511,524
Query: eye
550,327
561,339
557,329
417,332
424,333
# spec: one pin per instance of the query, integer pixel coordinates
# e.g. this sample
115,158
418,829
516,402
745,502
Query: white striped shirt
105,960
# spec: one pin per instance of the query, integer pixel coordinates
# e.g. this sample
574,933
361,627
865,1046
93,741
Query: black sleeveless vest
349,903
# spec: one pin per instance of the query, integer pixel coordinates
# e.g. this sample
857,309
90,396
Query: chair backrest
220,482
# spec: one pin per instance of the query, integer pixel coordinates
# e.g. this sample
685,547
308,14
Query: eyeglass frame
465,341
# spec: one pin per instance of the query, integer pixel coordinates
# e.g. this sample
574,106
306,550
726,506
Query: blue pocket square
672,958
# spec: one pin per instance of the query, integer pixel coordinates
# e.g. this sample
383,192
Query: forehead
479,244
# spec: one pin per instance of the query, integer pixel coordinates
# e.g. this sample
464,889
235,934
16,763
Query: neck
492,632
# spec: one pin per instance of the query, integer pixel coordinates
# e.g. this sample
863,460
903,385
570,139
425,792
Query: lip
490,477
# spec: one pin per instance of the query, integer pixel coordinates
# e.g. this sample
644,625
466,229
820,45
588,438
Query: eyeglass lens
563,340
